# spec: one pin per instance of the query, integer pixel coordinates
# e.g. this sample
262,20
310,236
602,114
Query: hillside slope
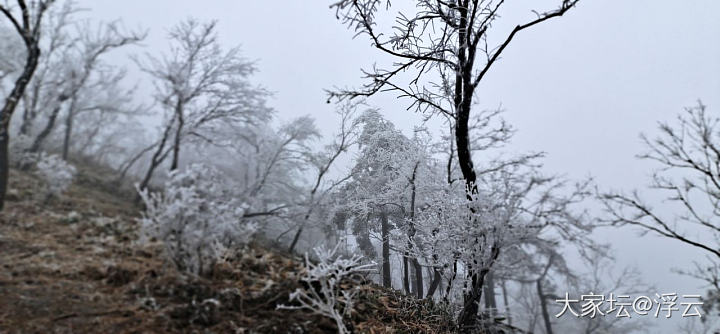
73,265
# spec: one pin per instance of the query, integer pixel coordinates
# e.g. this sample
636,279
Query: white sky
581,87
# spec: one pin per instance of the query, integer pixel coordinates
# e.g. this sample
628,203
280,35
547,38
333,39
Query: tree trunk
448,289
463,100
543,307
157,158
308,213
490,301
125,167
385,228
467,319
4,165
37,144
296,238
30,110
434,284
505,301
418,278
178,135
68,128
49,126
406,274
31,61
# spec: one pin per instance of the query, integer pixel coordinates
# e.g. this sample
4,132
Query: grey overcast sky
581,87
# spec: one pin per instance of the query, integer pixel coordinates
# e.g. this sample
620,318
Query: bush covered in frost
196,217
19,155
56,172
323,294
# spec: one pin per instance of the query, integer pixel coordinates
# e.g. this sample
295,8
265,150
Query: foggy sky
581,87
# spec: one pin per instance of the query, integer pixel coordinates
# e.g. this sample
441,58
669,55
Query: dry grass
72,265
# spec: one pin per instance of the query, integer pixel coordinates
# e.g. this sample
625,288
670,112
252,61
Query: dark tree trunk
33,53
125,167
413,280
157,158
406,274
418,278
385,228
49,126
437,277
490,301
309,212
434,284
467,319
543,307
178,135
463,100
4,165
296,238
465,162
448,289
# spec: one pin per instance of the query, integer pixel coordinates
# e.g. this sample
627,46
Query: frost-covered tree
200,87
374,196
320,163
445,47
93,44
516,207
548,277
272,166
71,70
43,87
105,122
603,277
693,146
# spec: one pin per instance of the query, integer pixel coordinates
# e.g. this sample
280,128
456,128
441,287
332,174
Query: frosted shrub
196,217
19,154
323,294
56,173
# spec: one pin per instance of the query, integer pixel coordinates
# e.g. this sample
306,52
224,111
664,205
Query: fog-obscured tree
688,176
79,65
106,124
320,163
200,85
43,87
11,49
27,21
